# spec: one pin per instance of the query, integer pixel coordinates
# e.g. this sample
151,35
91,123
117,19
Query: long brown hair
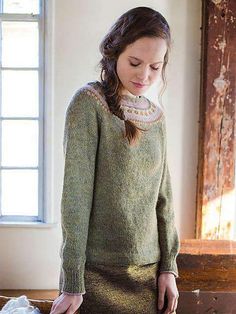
132,25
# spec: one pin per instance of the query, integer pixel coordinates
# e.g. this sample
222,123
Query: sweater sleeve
80,147
168,237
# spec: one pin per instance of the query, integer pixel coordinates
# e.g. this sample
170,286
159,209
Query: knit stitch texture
116,205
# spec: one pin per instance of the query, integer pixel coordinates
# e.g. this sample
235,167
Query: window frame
40,18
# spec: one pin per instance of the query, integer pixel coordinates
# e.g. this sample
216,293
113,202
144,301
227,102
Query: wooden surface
201,246
32,294
200,302
194,302
207,272
208,265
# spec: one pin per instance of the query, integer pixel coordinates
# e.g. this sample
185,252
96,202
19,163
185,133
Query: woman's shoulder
90,86
87,99
92,91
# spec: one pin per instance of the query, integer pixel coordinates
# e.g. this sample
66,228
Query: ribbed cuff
169,265
170,272
73,280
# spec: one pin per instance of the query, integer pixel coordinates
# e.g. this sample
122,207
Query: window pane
19,192
24,101
20,44
21,6
20,143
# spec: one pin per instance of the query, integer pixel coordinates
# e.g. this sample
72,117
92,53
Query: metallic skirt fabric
121,290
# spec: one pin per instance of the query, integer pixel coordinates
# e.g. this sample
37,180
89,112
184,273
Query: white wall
30,256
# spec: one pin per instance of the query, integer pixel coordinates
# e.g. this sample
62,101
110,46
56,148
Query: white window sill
9,224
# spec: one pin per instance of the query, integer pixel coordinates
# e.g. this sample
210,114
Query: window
21,110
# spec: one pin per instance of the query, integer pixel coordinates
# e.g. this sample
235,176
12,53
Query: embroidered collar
137,109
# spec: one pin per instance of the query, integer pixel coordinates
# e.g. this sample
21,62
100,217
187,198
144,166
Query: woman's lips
138,85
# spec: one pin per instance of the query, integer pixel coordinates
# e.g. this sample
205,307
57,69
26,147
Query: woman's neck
125,92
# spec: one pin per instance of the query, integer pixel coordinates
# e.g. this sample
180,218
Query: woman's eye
134,65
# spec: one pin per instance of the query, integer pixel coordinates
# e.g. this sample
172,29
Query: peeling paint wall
218,207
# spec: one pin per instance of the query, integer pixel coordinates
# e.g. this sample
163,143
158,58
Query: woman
119,238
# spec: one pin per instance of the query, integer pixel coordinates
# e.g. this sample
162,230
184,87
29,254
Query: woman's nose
143,74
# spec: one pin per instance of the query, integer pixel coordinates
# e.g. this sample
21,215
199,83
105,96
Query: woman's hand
65,303
167,284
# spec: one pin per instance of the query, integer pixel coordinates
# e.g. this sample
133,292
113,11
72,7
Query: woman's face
140,64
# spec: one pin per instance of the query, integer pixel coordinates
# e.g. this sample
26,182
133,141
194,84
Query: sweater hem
120,260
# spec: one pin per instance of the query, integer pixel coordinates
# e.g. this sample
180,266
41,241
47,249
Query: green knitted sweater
116,205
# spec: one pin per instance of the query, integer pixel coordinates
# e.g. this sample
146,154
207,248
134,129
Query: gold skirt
121,290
